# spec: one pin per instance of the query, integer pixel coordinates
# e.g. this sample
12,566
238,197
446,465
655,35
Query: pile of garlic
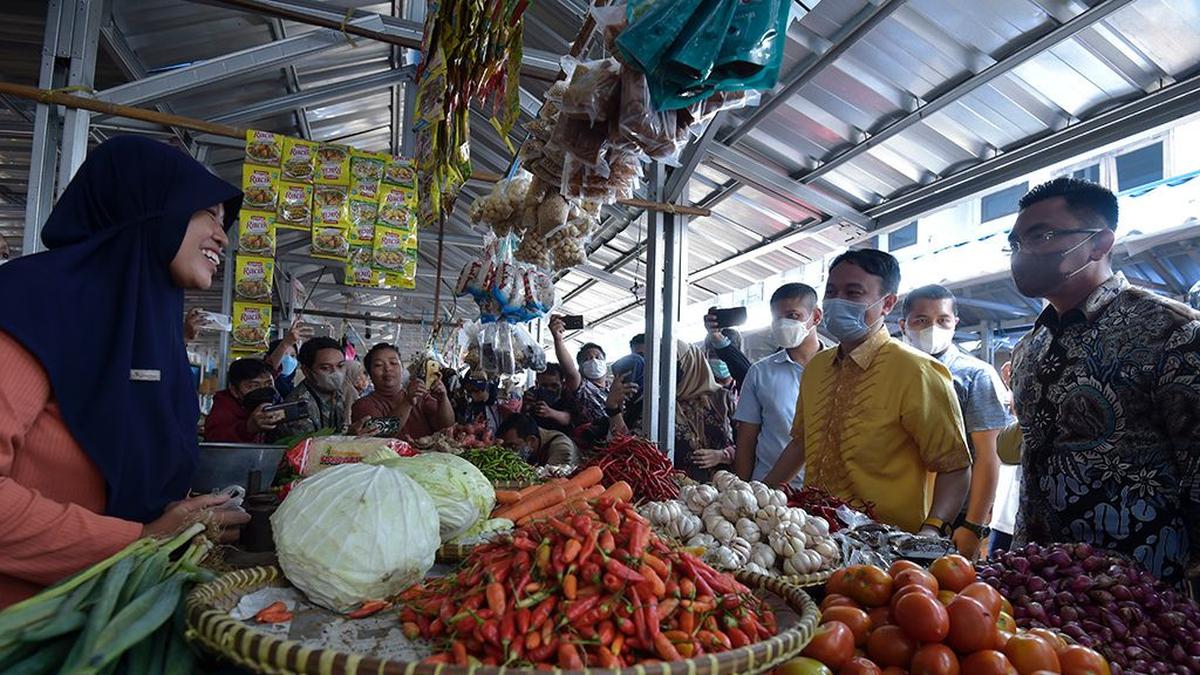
746,526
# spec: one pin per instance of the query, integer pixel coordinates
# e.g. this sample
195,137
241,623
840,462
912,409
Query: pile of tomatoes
939,621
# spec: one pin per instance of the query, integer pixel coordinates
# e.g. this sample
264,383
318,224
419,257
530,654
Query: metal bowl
225,464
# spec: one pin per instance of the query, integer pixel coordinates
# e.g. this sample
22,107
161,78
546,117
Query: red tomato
1053,639
972,628
1006,606
988,662
836,600
802,666
1029,653
1079,660
922,617
856,620
953,572
986,595
891,646
880,616
911,589
901,565
934,659
893,670
860,666
833,644
946,597
837,583
1002,638
1008,624
918,577
868,585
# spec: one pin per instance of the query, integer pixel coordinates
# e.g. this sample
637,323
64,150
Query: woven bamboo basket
808,580
451,552
209,625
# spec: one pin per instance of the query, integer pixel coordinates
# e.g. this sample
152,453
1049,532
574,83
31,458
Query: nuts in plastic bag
593,93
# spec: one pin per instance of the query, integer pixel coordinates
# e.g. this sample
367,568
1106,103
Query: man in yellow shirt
875,417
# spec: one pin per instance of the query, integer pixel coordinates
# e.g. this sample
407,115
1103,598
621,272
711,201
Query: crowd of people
1099,408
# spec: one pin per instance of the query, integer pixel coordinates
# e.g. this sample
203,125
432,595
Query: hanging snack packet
363,215
263,148
256,232
331,242
251,325
299,160
366,172
333,164
593,92
395,207
396,256
331,205
252,278
360,270
260,187
295,206
399,171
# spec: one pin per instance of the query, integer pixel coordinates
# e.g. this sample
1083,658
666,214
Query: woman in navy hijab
98,412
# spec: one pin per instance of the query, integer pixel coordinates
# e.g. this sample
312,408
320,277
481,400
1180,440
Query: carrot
571,490
590,493
535,502
588,477
526,491
506,497
620,491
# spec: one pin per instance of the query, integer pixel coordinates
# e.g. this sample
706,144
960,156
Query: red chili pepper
570,586
616,567
568,657
542,612
495,598
490,631
459,651
571,550
666,651
612,583
579,608
606,541
368,608
737,638
523,620
652,616
524,544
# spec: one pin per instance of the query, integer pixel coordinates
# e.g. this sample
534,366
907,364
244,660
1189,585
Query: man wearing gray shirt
930,319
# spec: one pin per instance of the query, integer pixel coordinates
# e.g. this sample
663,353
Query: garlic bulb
762,554
661,513
797,515
724,480
817,526
755,568
722,529
741,547
683,526
768,518
727,558
793,531
803,562
784,545
828,551
747,529
704,541
737,502
767,496
696,497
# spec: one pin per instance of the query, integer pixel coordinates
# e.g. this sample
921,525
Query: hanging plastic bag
694,53
529,354
750,44
654,133
592,94
653,28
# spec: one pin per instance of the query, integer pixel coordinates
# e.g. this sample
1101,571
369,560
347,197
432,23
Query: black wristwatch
980,531
612,412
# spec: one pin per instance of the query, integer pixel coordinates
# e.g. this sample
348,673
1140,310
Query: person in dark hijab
99,415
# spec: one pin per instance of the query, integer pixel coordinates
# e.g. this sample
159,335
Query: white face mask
932,340
788,333
593,369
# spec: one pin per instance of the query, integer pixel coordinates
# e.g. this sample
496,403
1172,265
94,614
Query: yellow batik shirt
876,423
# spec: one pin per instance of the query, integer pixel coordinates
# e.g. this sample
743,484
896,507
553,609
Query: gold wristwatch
938,524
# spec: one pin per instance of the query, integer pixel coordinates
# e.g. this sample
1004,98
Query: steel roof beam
1163,106
772,181
131,65
1002,67
279,32
311,98
271,55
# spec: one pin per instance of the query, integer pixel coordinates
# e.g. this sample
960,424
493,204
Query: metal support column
414,10
81,72
987,344
664,272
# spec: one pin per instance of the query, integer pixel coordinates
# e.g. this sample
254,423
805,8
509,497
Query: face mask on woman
720,368
846,320
788,333
593,369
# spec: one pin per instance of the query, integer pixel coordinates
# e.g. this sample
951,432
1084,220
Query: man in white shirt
768,397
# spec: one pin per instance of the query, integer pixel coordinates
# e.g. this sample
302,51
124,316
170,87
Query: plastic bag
580,138
529,354
497,350
610,21
508,289
653,28
654,133
593,91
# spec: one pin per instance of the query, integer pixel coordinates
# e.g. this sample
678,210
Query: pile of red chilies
593,587
639,463
818,502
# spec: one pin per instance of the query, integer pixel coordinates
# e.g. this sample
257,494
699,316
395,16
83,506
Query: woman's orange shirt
51,494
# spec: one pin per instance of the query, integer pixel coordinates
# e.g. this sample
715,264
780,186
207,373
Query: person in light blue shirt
930,319
768,397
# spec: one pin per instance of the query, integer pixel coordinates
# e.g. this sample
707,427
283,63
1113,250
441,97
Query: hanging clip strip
345,20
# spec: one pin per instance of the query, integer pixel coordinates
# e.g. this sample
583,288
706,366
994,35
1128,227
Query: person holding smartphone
239,412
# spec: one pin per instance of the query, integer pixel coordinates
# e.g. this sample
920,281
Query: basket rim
240,643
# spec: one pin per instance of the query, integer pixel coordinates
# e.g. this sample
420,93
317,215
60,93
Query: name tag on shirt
140,375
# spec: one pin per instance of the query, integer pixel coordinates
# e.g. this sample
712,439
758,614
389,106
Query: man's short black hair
552,368
524,425
590,345
247,369
876,263
375,351
795,291
637,340
930,292
308,353
1086,200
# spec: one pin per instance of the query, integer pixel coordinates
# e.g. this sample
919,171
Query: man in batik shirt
1107,389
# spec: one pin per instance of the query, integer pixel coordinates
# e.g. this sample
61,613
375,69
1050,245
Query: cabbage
464,497
355,532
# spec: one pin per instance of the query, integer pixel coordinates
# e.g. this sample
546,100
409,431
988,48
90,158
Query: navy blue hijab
99,305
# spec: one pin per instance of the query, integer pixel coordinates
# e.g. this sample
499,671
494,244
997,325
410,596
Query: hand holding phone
727,318
573,321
